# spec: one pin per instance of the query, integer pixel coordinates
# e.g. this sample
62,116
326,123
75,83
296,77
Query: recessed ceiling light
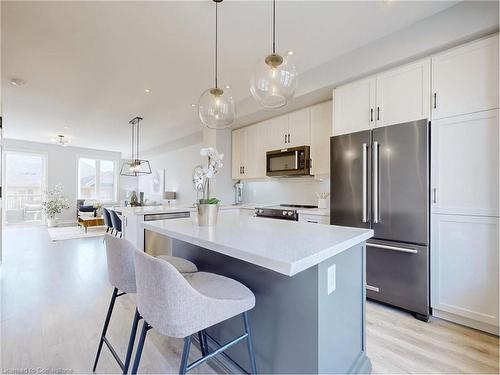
193,105
147,91
290,53
228,87
18,82
65,127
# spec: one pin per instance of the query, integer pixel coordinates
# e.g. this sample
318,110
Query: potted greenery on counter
208,207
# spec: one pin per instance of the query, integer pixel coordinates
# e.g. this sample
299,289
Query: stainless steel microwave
292,161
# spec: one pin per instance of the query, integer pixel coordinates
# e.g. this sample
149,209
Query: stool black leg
251,353
205,341
131,341
145,328
105,328
185,355
202,344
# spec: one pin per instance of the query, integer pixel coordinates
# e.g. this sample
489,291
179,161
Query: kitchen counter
287,247
309,285
146,210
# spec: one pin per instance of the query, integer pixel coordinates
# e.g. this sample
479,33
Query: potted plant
55,202
208,207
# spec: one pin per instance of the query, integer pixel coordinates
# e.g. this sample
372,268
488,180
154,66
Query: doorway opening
25,183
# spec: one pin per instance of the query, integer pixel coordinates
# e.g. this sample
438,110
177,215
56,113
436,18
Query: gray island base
309,286
297,326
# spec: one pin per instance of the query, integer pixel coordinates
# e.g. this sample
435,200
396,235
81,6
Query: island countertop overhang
286,247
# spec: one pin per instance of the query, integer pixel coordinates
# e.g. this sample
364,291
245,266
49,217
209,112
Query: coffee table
86,222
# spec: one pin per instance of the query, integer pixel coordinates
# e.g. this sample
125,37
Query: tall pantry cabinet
465,185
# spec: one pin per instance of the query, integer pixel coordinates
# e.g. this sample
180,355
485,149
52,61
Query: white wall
284,191
62,166
178,165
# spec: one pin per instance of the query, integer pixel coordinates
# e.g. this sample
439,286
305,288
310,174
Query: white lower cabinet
465,270
316,219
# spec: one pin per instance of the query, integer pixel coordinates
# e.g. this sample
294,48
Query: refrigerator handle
365,184
376,214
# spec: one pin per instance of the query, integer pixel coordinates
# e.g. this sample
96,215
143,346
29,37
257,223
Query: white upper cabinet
255,151
464,267
278,133
321,131
465,166
299,128
238,151
403,94
354,106
465,79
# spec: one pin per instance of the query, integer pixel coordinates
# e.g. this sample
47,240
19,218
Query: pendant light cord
216,47
274,26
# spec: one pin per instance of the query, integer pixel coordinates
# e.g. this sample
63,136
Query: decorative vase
322,203
207,214
51,222
133,200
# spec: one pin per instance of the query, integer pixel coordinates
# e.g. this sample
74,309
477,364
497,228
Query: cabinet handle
435,101
372,288
371,114
243,169
288,137
285,138
378,113
434,195
312,221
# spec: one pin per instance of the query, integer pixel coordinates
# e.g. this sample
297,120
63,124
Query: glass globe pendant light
275,79
216,106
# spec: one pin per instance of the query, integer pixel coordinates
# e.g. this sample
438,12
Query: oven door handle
296,160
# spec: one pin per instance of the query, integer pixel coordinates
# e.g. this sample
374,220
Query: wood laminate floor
54,296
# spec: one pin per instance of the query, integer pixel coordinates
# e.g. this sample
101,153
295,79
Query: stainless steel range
283,211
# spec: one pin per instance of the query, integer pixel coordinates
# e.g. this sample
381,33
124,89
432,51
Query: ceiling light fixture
216,106
18,82
135,166
147,91
61,140
193,105
274,83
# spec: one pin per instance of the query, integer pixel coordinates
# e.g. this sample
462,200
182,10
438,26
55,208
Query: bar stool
107,220
116,222
178,306
121,275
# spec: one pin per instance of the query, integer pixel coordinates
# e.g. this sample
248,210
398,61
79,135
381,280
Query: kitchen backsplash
284,190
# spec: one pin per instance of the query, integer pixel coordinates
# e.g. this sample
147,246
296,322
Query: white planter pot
207,214
51,222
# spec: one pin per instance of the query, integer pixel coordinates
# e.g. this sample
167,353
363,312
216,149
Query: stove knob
290,213
256,211
261,211
284,213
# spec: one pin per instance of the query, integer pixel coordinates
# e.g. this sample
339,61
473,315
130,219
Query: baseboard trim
481,326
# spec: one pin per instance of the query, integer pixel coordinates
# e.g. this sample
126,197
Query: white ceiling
86,64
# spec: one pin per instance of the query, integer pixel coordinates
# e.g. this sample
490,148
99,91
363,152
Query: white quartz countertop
146,210
287,247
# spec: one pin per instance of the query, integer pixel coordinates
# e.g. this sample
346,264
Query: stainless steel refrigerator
380,180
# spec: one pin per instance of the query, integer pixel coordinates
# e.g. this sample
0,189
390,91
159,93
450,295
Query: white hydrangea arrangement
55,202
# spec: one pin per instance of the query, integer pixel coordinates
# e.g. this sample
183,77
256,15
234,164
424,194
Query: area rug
73,232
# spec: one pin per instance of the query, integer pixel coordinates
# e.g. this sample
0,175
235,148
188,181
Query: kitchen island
309,284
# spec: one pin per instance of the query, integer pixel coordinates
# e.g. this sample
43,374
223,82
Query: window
97,179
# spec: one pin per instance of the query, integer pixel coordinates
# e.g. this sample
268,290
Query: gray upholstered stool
182,305
121,275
